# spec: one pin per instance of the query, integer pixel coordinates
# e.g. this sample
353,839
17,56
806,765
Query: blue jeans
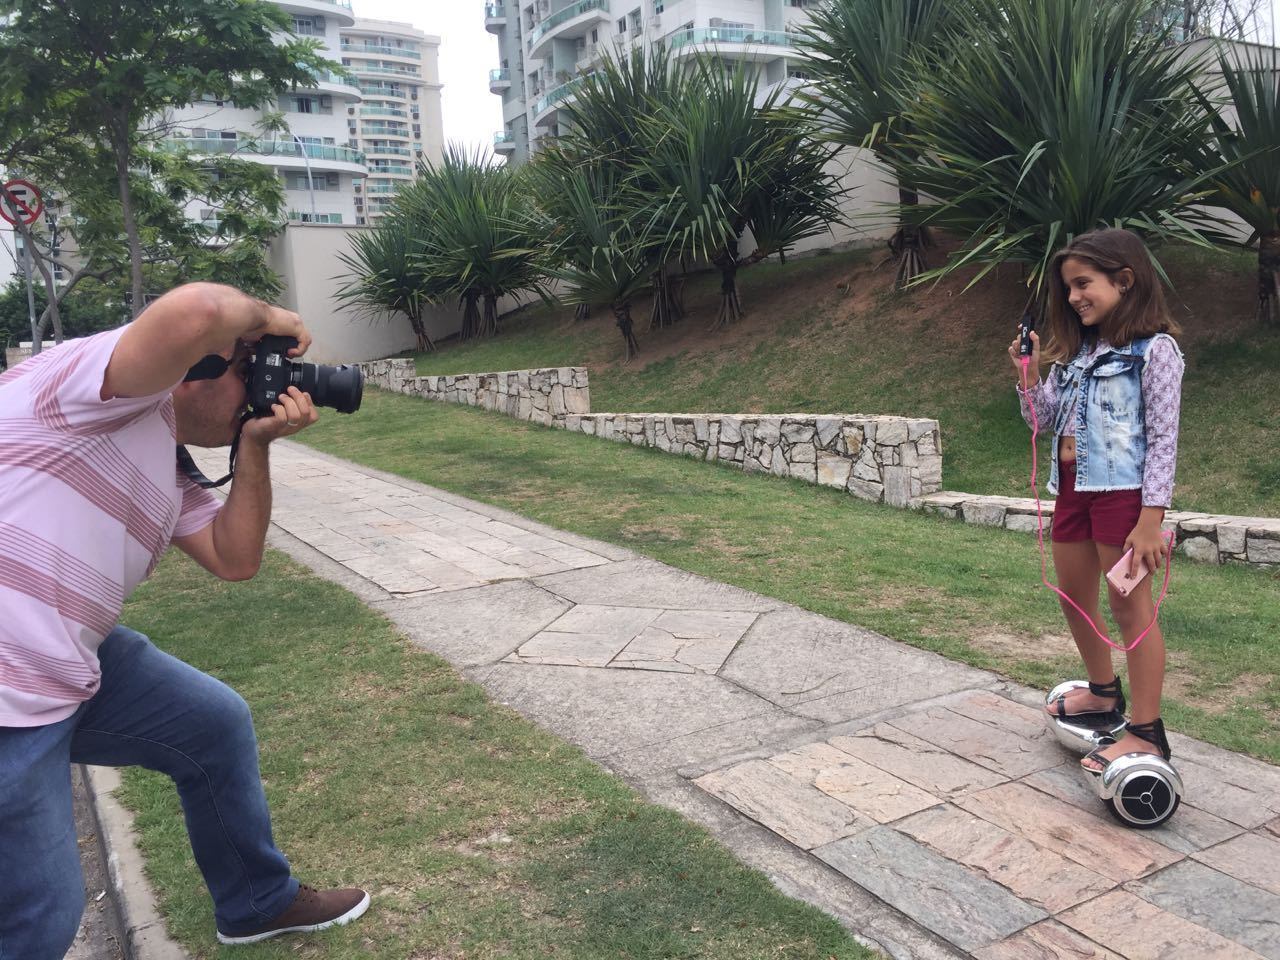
156,712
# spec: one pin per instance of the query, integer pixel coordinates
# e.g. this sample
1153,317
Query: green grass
479,835
810,345
970,593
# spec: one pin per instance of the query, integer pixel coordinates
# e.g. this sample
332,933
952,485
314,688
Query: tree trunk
908,243
489,325
730,306
622,316
666,307
1269,279
470,315
51,312
120,147
582,312
424,344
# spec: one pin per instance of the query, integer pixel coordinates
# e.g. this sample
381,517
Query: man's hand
292,413
281,323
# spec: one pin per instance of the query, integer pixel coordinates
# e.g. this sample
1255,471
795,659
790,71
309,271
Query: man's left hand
292,412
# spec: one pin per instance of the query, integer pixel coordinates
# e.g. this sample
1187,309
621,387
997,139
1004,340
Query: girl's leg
1078,570
1146,660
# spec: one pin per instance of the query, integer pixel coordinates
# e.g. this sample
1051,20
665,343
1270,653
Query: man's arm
231,546
186,324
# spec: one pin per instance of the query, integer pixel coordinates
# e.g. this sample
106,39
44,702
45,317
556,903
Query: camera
271,373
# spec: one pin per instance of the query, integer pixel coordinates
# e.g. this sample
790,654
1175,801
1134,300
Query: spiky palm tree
382,278
1250,186
866,58
1055,117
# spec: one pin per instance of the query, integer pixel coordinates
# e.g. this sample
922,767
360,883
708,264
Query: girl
1112,397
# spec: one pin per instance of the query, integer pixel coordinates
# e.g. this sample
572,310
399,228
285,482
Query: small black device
271,373
1025,327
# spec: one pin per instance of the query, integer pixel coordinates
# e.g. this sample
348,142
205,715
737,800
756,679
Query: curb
145,935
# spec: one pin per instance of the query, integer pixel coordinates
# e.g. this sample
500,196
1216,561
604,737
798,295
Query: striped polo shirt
90,497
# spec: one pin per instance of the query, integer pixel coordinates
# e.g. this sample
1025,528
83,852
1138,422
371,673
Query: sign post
21,205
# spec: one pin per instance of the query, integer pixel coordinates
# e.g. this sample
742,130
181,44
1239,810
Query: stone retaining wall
896,460
1208,537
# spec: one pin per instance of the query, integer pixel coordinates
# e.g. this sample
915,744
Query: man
90,496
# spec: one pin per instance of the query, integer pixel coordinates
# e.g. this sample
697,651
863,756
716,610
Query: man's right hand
282,323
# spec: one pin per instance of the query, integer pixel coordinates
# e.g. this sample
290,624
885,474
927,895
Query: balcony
375,69
373,111
381,188
386,150
391,170
379,50
340,10
575,20
286,154
544,109
340,83
382,90
737,42
504,143
495,17
499,80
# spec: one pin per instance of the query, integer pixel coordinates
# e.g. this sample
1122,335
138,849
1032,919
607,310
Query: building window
658,5
622,25
798,74
303,104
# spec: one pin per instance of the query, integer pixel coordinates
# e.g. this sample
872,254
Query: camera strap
193,472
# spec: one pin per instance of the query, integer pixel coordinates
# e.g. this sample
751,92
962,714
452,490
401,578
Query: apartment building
398,122
545,46
351,137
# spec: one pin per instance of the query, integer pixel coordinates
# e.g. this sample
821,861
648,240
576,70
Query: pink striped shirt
90,497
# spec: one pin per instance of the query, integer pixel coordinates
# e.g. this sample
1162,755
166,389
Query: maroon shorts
1105,517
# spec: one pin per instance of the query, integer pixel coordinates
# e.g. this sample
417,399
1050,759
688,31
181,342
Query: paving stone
1238,911
1187,831
957,904
865,788
1242,795
1140,930
1047,940
1273,827
640,582
794,810
887,690
569,649
1106,848
657,649
1034,874
916,761
623,623
1012,752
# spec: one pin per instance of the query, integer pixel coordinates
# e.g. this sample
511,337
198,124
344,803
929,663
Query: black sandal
1153,733
1112,690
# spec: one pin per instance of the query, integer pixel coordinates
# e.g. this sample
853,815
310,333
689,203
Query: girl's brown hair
1141,312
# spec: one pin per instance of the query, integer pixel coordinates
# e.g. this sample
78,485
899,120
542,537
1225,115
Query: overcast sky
472,115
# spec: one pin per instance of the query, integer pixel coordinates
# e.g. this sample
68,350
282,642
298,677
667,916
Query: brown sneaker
311,910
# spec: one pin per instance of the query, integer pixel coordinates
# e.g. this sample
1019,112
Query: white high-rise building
398,123
336,158
544,46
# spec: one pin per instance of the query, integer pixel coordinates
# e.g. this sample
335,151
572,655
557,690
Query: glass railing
381,90
373,128
374,68
297,216
265,148
370,148
376,48
499,76
559,93
495,11
768,38
500,138
381,188
390,168
383,112
329,76
561,16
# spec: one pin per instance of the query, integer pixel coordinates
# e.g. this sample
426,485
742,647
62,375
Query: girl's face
1091,293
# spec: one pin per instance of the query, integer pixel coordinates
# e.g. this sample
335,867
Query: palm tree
866,58
474,235
383,279
726,161
1250,186
1055,117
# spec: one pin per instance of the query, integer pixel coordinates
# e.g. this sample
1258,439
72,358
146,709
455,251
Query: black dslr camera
271,373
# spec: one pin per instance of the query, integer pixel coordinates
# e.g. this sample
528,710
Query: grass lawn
971,593
827,335
479,835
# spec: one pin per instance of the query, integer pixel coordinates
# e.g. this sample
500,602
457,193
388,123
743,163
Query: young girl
1112,398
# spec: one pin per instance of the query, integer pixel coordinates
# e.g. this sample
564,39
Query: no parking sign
21,202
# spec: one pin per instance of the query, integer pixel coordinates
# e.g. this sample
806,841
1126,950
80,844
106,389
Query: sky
472,115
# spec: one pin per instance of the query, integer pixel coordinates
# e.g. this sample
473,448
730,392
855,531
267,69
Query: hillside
828,334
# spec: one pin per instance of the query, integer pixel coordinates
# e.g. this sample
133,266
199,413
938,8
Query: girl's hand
1033,369
1149,544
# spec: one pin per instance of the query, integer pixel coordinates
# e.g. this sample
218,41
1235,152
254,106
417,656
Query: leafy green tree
385,278
1247,137
1053,118
105,70
867,59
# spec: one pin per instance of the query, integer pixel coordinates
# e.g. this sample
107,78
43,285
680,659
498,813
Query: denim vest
1111,436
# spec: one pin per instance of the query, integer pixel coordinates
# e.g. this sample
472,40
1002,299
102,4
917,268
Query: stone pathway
920,801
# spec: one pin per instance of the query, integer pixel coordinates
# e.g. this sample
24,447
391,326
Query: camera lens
340,387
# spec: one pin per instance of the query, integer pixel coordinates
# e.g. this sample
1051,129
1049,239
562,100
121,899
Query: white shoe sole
347,917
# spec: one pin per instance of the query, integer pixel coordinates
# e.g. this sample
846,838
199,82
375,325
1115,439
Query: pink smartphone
1118,576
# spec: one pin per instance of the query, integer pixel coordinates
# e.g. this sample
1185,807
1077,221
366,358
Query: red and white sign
21,200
